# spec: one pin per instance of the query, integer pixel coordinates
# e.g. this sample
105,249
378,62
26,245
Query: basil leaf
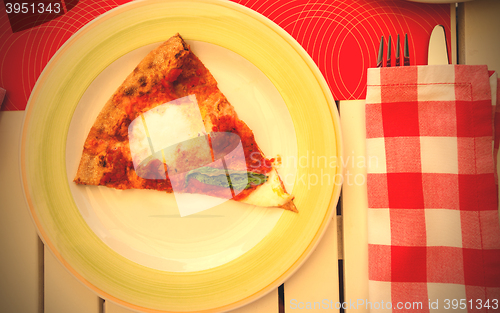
238,180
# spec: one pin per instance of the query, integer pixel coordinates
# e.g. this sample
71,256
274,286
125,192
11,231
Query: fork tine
380,52
389,52
398,51
406,53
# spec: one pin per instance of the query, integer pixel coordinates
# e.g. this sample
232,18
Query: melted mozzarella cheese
269,194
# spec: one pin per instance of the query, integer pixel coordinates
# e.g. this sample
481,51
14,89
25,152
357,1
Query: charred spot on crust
117,99
151,64
102,161
129,91
184,45
143,81
121,131
177,55
99,132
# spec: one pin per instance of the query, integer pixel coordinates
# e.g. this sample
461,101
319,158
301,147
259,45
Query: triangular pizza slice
168,127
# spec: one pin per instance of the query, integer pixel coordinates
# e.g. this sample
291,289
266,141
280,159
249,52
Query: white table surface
33,281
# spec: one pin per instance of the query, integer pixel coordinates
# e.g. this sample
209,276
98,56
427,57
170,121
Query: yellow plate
46,166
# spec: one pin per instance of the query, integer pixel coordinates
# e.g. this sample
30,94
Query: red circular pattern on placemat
342,37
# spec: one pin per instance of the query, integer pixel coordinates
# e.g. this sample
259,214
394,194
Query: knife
438,48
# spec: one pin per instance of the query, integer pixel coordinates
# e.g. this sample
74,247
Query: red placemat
342,37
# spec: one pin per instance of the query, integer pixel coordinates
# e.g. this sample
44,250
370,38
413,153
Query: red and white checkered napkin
434,231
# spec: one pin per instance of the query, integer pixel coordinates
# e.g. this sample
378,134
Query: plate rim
336,125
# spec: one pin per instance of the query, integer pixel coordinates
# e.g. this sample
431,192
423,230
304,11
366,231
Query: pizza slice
169,128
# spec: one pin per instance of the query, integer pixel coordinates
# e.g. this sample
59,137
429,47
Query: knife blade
438,48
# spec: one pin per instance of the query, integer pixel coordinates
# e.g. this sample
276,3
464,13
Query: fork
388,63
